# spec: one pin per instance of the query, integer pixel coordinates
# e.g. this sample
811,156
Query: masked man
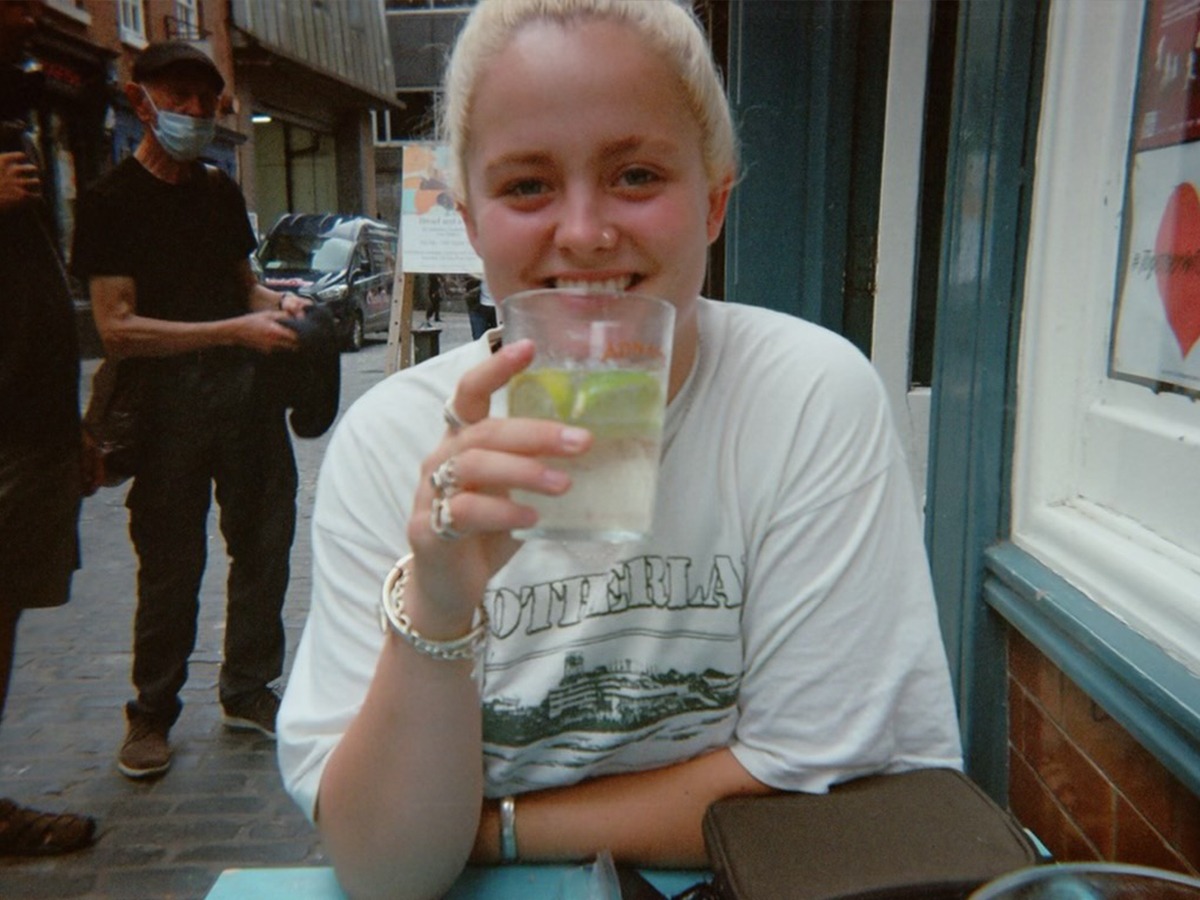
163,242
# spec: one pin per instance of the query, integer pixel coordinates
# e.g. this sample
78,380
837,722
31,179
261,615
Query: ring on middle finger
445,478
442,521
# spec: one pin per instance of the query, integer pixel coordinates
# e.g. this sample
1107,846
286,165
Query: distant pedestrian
481,308
173,295
41,475
433,312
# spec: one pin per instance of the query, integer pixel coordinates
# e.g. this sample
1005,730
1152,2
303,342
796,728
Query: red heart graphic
1177,248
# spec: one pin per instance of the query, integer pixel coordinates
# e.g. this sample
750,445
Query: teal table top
492,883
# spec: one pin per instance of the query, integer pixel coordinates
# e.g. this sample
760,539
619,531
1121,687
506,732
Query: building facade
994,199
315,70
307,77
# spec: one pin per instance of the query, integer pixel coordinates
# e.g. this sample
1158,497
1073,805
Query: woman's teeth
608,286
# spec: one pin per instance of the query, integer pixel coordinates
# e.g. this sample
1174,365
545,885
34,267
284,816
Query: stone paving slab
222,803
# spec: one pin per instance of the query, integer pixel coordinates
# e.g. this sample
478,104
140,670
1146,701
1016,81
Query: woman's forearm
650,818
400,796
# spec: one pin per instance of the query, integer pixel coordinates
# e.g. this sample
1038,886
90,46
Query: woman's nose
583,227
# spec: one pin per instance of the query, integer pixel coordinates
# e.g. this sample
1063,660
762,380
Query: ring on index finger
453,420
445,478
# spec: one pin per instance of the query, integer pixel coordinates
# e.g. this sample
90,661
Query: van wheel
357,336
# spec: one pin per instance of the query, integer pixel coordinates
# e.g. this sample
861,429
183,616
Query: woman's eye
525,187
638,177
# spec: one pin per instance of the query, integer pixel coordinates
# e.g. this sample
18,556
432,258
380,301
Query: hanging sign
432,235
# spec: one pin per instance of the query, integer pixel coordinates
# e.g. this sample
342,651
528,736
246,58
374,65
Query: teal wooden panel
807,81
1000,48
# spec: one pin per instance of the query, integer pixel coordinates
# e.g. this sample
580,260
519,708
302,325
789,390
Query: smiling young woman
776,632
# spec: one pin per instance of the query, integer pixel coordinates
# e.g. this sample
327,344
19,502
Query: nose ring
608,238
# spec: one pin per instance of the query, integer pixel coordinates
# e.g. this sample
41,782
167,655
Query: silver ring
442,521
453,420
445,479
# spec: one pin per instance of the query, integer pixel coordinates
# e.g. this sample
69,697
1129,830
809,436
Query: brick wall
1082,783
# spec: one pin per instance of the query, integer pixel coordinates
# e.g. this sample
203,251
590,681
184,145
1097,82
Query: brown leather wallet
931,834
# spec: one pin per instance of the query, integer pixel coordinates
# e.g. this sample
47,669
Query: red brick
1130,767
1037,809
1138,842
1035,673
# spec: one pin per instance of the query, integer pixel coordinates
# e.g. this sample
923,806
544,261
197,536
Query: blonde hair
666,26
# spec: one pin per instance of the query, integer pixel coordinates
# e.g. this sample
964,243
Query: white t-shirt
782,606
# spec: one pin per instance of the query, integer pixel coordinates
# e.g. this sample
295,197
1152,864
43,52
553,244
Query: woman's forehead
589,73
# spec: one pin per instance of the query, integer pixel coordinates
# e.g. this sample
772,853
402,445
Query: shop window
132,21
1105,486
185,23
387,128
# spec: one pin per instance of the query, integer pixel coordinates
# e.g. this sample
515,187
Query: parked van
346,263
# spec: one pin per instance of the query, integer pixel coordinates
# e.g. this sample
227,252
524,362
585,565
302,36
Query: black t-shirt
39,352
183,244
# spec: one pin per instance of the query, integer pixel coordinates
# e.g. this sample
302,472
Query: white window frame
187,14
131,22
389,139
1106,473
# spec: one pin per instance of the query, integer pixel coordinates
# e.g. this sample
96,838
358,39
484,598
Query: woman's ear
718,204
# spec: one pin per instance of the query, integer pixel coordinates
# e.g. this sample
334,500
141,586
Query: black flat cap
161,57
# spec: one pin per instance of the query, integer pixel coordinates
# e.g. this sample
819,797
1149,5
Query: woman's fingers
526,437
490,472
473,397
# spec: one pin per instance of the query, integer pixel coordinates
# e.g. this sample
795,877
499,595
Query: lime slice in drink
618,400
541,394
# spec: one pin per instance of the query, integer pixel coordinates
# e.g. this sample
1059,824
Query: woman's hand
483,461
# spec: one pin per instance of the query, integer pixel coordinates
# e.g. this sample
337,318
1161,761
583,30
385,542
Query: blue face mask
182,137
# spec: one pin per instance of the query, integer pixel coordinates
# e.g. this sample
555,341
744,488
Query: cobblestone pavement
222,804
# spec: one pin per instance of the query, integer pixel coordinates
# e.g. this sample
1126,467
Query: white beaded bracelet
392,615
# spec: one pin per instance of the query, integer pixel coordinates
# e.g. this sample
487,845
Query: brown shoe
146,751
255,711
31,832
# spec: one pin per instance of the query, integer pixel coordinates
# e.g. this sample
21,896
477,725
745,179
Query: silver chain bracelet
392,615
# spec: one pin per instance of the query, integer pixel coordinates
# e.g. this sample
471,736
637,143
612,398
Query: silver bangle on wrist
508,829
392,615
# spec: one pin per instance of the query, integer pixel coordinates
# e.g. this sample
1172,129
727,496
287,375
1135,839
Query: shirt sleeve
95,250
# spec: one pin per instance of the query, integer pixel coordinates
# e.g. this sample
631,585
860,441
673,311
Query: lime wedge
541,394
617,396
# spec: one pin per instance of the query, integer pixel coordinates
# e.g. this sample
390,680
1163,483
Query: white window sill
133,40
1118,564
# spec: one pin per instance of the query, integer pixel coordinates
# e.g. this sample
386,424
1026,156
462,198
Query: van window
382,254
305,253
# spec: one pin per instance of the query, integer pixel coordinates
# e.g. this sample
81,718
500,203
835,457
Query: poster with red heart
1157,334
1156,338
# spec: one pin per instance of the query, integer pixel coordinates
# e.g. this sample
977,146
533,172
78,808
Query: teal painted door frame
808,84
989,176
806,95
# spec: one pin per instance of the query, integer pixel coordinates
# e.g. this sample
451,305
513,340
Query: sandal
29,832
